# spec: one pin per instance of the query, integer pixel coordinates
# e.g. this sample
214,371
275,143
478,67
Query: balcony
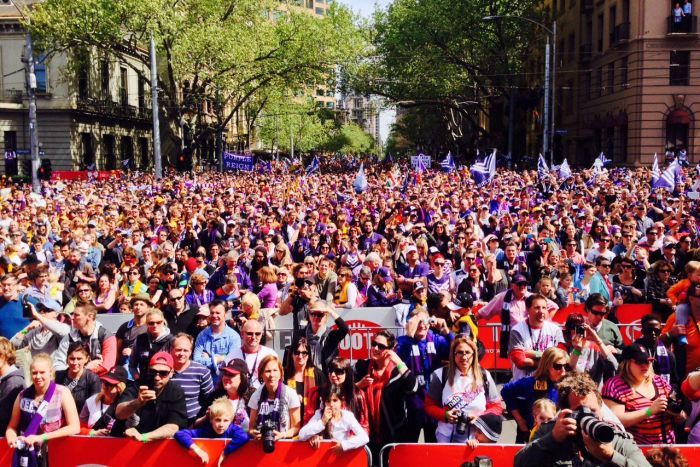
585,52
619,34
11,96
109,108
586,6
686,25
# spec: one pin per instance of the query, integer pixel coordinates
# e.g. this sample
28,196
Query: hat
411,248
235,367
116,375
203,311
461,301
433,250
231,222
490,425
418,286
673,223
636,352
581,215
162,358
144,297
490,237
92,224
384,274
669,244
520,279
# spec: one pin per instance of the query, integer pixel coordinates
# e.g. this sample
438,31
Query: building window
127,150
611,77
10,140
622,135
624,76
679,70
108,150
83,81
677,126
601,25
599,82
570,97
330,105
40,73
320,11
104,78
123,87
143,152
587,85
309,3
142,93
87,154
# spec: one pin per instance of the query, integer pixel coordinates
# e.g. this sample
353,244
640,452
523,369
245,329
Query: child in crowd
220,426
678,294
488,429
333,422
543,411
565,291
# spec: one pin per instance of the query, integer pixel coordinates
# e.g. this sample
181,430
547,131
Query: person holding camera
587,351
301,294
274,407
642,400
459,393
159,403
578,436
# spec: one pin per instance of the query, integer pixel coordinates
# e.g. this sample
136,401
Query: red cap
162,358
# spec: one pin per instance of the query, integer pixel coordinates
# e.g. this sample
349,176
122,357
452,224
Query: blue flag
483,172
563,170
448,164
126,163
360,184
667,179
404,187
655,174
314,166
542,168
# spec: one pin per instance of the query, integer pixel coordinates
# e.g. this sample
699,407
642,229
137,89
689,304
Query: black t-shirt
169,407
183,323
87,385
128,332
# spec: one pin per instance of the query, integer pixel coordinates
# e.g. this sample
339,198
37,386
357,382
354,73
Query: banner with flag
563,170
448,165
360,184
484,171
314,166
667,179
542,168
600,163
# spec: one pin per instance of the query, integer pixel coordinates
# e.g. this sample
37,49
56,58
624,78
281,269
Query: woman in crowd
346,291
459,392
587,352
81,382
281,255
198,295
106,296
520,395
475,285
98,416
640,399
629,282
274,403
383,292
304,377
268,292
340,373
659,279
439,280
11,381
60,418
236,387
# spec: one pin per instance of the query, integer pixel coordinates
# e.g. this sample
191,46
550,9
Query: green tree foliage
223,51
352,139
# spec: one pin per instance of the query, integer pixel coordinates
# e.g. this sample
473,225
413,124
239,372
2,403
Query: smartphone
580,330
27,308
147,380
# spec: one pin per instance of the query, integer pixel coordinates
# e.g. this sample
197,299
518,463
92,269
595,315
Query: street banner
238,162
415,160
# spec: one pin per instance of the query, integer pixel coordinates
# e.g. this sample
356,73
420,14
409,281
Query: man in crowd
251,351
216,341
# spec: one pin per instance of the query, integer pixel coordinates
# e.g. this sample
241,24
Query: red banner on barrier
631,315
490,337
119,452
71,175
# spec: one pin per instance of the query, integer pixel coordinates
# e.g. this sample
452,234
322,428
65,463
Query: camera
20,445
267,430
675,405
462,419
432,321
588,423
27,308
580,330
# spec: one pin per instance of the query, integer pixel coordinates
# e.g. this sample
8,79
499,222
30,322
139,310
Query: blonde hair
44,357
155,312
691,267
549,356
544,405
252,301
7,351
267,275
220,407
478,379
267,360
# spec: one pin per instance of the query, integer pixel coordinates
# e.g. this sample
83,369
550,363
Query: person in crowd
179,314
531,337
220,425
340,373
81,382
252,351
304,377
44,334
217,341
128,332
664,363
559,441
543,411
158,402
11,381
157,338
194,378
412,271
86,329
198,295
273,402
301,293
323,340
346,290
235,385
656,285
382,291
106,295
666,457
387,382
98,416
12,320
601,282
641,399
334,422
326,280
629,283
597,308
587,352
58,418
438,280
461,391
519,396
268,293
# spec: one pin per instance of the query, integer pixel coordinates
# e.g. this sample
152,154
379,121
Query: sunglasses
177,298
627,266
655,331
604,265
337,371
439,263
464,353
300,352
597,312
318,315
253,334
160,373
84,290
559,366
154,323
379,346
108,385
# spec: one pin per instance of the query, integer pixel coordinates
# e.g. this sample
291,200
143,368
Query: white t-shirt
522,337
252,360
289,399
347,430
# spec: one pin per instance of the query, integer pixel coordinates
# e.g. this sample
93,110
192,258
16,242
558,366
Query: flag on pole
420,169
563,170
360,184
542,168
667,179
483,172
448,164
126,163
600,163
655,174
314,166
404,187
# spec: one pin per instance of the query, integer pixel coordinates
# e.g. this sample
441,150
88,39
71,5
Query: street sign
561,132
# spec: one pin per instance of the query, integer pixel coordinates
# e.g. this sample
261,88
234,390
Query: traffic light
44,170
184,161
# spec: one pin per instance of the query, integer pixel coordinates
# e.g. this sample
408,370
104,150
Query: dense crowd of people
205,263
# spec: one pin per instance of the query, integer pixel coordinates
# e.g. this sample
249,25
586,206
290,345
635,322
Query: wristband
576,352
92,433
538,354
44,438
447,416
401,366
648,412
144,438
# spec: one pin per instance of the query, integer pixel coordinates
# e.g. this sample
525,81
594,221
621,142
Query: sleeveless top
53,419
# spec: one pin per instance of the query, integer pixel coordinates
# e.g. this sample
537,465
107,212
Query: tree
352,139
225,52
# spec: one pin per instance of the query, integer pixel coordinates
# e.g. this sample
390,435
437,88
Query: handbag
27,456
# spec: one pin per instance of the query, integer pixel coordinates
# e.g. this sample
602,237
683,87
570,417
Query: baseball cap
490,237
235,367
384,274
203,311
411,248
116,375
461,301
418,286
162,358
520,279
433,251
636,352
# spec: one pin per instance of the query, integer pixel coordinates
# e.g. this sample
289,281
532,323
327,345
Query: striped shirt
653,430
196,382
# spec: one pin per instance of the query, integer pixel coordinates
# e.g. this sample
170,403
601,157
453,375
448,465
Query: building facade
626,80
363,111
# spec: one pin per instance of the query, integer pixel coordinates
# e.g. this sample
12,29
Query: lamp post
549,78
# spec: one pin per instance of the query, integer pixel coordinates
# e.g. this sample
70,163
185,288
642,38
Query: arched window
677,129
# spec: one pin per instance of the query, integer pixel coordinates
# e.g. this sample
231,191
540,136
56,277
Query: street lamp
549,74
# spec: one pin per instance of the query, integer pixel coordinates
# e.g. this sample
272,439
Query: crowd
205,262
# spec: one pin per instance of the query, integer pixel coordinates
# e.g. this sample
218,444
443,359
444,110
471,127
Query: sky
365,8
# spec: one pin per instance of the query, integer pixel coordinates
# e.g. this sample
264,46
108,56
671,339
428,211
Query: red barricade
501,455
631,315
119,452
490,337
561,315
83,175
5,453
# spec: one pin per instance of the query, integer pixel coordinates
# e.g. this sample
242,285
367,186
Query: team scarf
374,399
422,363
275,407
